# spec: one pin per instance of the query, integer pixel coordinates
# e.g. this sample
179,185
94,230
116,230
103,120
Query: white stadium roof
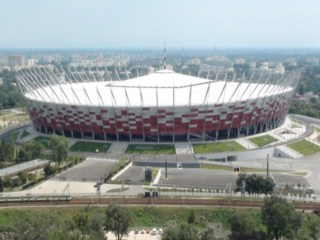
163,88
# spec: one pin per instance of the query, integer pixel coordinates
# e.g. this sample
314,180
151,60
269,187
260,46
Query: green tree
9,93
207,234
82,222
23,177
242,225
191,217
173,231
41,226
31,177
59,148
15,182
3,150
6,150
29,151
280,218
48,170
7,182
187,232
23,156
170,231
312,226
301,89
117,220
1,184
313,100
35,149
255,184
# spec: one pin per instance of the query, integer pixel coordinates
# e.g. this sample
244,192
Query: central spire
164,56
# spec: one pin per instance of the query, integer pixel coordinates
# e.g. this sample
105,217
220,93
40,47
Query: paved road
309,163
5,132
307,120
309,129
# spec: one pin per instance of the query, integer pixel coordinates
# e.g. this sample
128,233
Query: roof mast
164,56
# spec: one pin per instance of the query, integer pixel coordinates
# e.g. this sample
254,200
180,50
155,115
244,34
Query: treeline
277,220
53,227
30,150
10,97
311,108
56,150
310,80
7,150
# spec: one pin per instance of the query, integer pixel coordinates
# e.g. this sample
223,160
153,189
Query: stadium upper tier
163,88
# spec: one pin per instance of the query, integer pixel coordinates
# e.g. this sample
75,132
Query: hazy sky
147,23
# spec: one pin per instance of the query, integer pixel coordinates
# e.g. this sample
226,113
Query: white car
154,231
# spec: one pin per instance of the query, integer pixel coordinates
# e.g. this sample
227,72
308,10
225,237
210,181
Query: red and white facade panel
161,107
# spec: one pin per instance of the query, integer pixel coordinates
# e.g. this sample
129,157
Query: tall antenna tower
164,56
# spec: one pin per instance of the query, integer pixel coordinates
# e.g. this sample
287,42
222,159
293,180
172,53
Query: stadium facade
160,107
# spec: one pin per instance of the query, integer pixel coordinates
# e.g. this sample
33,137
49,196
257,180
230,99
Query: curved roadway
310,163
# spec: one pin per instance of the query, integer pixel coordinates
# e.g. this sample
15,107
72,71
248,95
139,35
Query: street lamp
201,158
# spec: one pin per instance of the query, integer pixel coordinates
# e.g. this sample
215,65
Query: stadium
161,107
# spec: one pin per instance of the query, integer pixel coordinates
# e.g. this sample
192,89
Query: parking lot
283,179
90,170
134,175
198,178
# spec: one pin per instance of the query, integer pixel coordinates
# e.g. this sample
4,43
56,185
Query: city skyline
146,24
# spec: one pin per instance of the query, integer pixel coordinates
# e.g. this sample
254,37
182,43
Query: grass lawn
143,217
258,170
230,168
25,134
14,117
300,174
5,112
217,147
150,149
44,140
317,129
83,146
263,140
14,135
304,147
216,167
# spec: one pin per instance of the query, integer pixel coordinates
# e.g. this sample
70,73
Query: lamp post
201,158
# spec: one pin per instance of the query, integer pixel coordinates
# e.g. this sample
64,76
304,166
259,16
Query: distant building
168,67
219,61
195,61
31,62
15,61
253,64
4,68
240,61
264,66
279,68
292,62
151,70
312,60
